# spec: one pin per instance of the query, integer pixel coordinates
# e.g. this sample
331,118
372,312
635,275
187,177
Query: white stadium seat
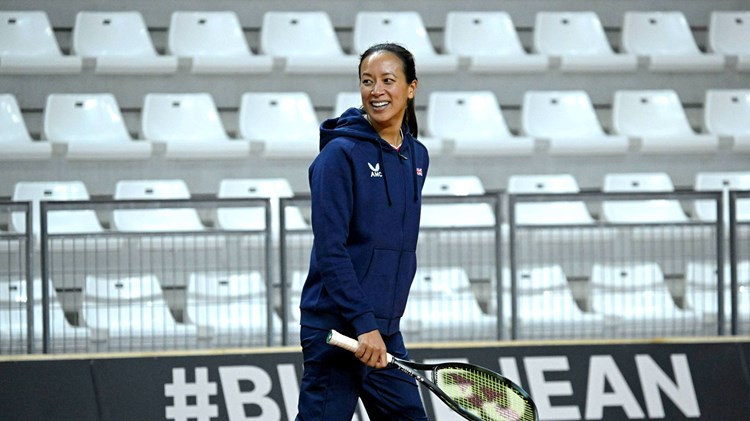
346,100
405,28
254,218
728,32
16,143
119,42
490,41
307,41
702,288
726,113
724,182
92,127
473,121
567,120
285,122
214,42
578,40
668,42
28,45
553,212
658,120
455,214
131,313
657,211
638,296
191,127
154,220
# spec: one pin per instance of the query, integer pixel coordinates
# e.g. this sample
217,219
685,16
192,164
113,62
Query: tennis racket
474,392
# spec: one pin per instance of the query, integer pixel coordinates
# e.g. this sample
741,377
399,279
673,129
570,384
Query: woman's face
384,89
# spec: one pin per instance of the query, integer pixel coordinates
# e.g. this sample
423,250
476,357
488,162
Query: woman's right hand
371,350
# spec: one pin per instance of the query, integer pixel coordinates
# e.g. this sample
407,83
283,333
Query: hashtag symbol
202,390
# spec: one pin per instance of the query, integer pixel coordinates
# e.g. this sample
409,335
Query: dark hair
407,59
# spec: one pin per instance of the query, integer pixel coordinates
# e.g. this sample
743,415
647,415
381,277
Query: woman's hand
371,349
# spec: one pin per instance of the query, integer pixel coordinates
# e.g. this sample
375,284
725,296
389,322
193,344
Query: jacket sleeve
331,186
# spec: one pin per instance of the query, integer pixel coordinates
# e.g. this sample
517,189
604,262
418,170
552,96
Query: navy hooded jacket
366,201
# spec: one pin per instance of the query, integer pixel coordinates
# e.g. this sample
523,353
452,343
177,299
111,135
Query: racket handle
347,343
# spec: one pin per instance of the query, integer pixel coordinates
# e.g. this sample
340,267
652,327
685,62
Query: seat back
154,220
570,33
12,126
728,32
657,33
559,114
556,212
27,33
346,100
285,34
273,116
727,111
635,290
463,185
653,113
405,28
216,33
83,117
705,210
254,218
181,118
466,114
58,222
481,34
101,34
641,211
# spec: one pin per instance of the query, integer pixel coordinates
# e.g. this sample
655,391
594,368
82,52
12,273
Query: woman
366,187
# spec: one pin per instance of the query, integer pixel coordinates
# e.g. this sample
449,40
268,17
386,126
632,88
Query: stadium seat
91,126
728,32
64,337
307,41
28,45
726,113
346,100
638,296
546,306
191,127
442,306
58,222
701,292
154,220
447,214
657,211
16,143
553,212
657,119
705,210
473,121
490,41
214,42
130,313
567,120
668,42
405,28
229,309
254,218
284,121
578,40
119,42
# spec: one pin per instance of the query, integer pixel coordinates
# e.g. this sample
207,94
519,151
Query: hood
352,125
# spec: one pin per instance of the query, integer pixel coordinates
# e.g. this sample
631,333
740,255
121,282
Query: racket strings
484,395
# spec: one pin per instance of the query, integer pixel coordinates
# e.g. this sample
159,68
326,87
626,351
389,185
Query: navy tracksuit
366,201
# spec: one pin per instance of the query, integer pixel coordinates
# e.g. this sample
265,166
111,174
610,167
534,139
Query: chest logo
375,170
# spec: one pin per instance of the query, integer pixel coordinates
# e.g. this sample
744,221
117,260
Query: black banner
671,381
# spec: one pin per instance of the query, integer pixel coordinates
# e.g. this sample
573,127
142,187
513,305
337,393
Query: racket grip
347,343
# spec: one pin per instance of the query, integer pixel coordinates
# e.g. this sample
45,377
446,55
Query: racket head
483,393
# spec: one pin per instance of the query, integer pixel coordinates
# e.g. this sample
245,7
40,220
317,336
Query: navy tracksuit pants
333,379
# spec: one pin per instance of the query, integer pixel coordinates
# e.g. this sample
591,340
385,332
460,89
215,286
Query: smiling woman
366,186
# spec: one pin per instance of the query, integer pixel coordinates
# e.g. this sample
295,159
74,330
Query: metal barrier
109,289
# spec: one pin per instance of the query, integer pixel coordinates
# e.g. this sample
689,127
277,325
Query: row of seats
216,43
433,215
623,300
469,122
